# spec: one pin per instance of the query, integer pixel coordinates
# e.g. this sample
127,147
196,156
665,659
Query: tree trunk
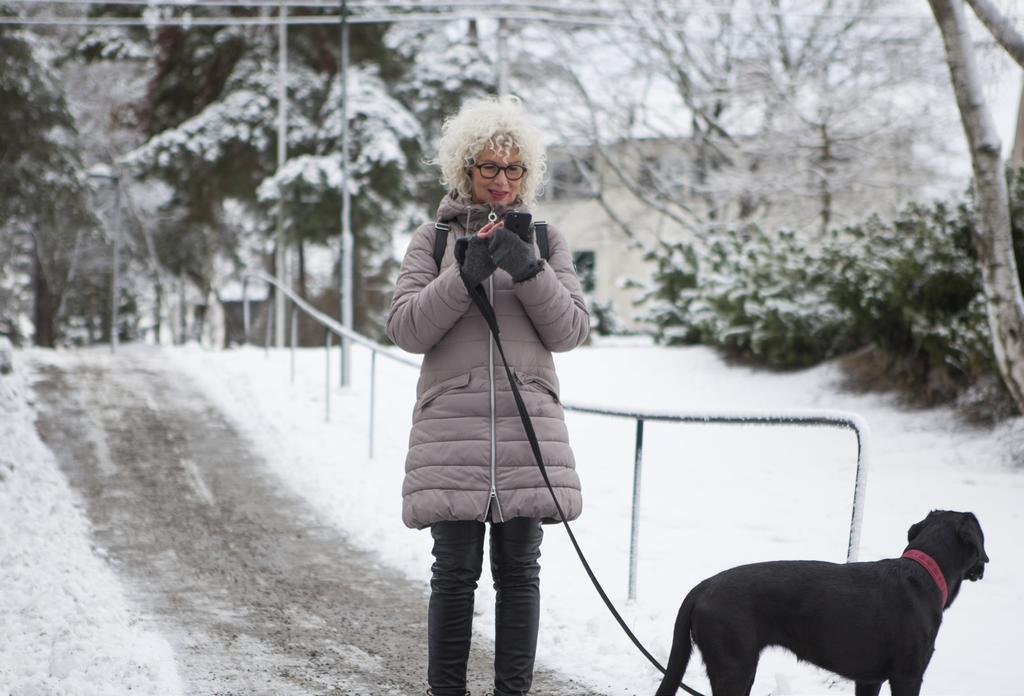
827,170
992,237
1001,28
302,271
158,311
182,312
44,316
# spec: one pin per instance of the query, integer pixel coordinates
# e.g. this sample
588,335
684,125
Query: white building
589,200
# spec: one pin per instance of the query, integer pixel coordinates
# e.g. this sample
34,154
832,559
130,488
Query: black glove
515,255
475,263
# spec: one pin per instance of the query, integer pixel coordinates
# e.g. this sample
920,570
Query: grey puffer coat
468,457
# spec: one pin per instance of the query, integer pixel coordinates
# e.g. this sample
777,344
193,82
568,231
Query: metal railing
331,328
832,419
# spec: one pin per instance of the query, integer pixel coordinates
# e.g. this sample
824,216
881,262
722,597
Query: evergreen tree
214,142
44,206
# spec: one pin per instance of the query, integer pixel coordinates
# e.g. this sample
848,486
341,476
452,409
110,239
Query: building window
585,269
648,176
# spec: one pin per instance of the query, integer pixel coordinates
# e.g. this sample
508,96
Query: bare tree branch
1000,28
640,192
610,211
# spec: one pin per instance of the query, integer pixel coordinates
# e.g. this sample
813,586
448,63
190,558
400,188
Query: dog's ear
915,529
969,532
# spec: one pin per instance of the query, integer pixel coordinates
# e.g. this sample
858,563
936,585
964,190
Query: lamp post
104,172
281,255
345,258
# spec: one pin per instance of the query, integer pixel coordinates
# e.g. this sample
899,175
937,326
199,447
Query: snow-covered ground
66,628
713,497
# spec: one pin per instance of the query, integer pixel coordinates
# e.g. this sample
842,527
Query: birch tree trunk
992,237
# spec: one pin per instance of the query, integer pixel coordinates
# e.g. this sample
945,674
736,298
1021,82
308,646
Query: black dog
868,622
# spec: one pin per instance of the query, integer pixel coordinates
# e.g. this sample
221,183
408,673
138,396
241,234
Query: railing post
245,311
373,393
327,379
344,373
859,492
634,531
295,333
266,339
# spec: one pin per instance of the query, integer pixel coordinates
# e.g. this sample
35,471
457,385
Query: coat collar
471,216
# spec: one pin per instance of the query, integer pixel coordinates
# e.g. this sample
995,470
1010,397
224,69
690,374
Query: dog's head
954,539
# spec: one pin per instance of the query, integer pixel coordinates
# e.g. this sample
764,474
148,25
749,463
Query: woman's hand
474,259
514,255
487,230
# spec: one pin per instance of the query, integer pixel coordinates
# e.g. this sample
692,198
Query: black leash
479,298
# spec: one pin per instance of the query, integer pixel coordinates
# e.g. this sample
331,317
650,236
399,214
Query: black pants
458,559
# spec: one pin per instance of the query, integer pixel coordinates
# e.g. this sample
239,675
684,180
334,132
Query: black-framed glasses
489,170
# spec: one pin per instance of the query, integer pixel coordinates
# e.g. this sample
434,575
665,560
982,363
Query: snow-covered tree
216,149
444,65
383,137
44,206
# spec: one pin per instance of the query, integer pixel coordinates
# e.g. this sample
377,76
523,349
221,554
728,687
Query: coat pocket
430,395
536,383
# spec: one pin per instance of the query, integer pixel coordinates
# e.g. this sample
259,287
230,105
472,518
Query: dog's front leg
905,686
868,688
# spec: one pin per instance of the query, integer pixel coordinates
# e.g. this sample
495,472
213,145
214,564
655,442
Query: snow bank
65,627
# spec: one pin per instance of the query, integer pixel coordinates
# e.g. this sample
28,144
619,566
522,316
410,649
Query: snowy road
254,593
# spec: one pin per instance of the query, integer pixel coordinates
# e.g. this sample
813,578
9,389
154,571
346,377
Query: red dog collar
929,564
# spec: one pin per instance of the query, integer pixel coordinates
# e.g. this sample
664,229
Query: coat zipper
494,446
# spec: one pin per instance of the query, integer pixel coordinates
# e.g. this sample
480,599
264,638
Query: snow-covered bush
672,288
760,295
909,288
912,287
603,319
756,294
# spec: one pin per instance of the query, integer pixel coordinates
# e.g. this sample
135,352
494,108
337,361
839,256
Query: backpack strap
440,241
540,229
441,229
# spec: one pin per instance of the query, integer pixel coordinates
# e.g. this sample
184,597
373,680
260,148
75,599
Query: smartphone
518,222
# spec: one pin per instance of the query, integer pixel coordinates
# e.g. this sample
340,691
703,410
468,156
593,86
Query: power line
333,20
438,10
293,20
372,12
488,10
327,4
309,20
290,4
706,9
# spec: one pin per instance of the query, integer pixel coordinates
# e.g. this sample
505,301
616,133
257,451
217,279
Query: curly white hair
498,123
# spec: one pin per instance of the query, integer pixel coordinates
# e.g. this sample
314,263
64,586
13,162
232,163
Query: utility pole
502,59
347,266
280,253
115,278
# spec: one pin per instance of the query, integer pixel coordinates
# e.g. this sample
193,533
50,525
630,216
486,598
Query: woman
469,462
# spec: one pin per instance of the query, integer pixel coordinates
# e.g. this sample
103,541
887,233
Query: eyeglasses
489,170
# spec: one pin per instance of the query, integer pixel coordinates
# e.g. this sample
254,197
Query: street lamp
102,171
345,258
